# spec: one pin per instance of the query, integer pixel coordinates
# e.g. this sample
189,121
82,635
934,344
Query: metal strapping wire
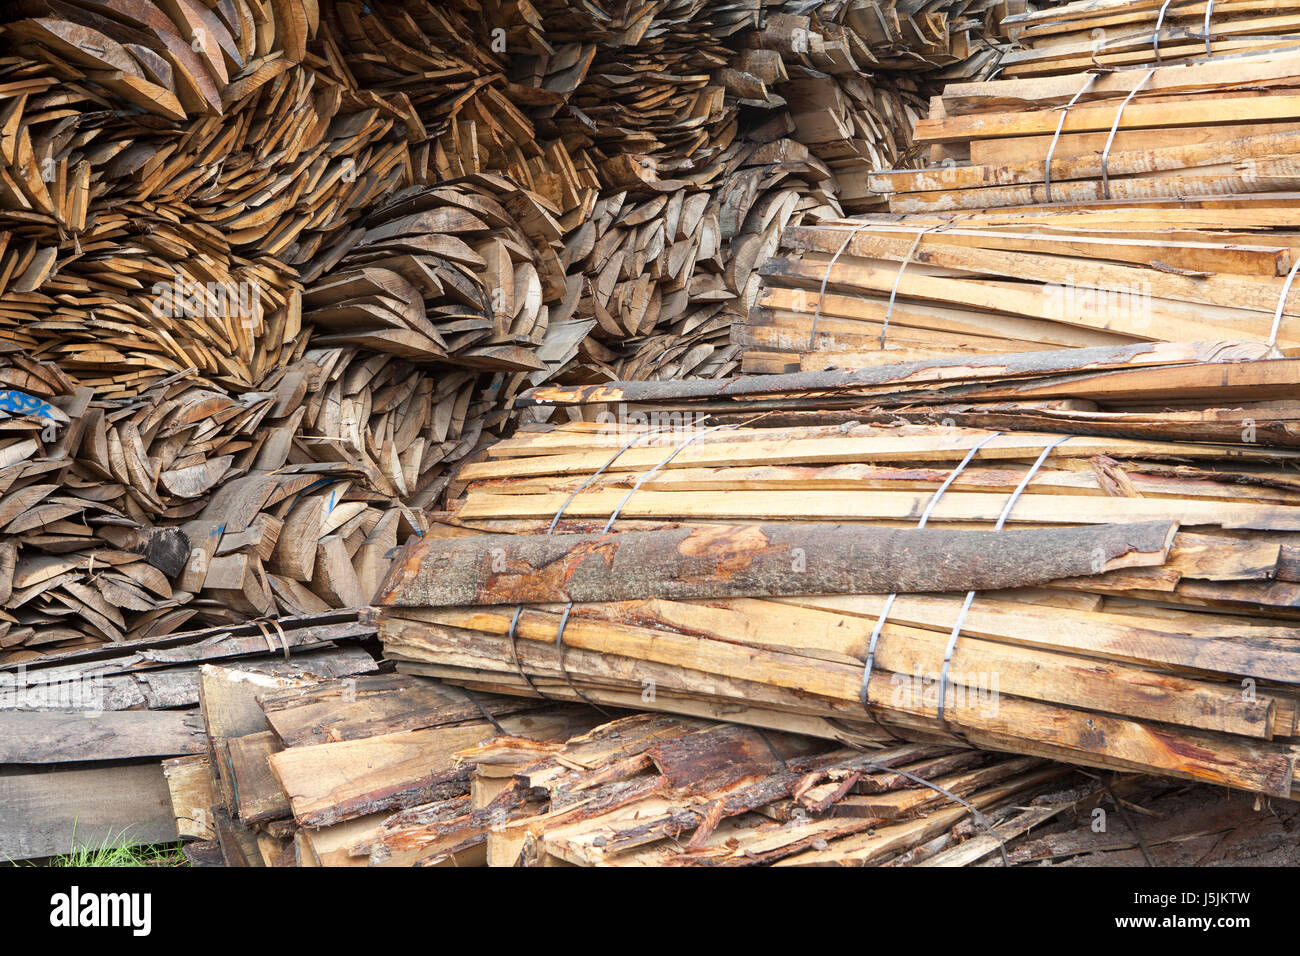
821,295
564,618
1065,111
1281,304
893,293
978,817
970,595
266,636
487,714
1105,153
772,747
1155,37
974,812
889,601
284,638
1209,8
512,635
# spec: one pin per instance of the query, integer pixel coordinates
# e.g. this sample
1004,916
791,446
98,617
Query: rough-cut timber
756,561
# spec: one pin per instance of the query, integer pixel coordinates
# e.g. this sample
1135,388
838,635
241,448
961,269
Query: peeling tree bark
757,561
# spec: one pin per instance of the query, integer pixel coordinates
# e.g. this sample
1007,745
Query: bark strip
757,560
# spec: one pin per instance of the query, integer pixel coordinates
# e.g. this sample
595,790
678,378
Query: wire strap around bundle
889,601
487,714
970,595
512,635
821,295
978,817
1105,153
1209,47
893,293
1065,111
568,608
1281,304
849,741
1155,37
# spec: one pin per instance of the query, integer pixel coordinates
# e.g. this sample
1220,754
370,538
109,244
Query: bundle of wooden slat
1134,656
1113,34
1195,392
1091,275
1083,210
1216,127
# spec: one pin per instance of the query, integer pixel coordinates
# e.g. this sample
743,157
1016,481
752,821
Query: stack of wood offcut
82,732
1106,572
1113,34
399,770
268,271
1148,202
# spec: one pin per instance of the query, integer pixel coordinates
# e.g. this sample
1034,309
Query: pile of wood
1139,585
392,770
859,291
1114,34
321,760
657,790
1214,127
299,771
396,770
1152,203
82,732
130,518
270,270
947,40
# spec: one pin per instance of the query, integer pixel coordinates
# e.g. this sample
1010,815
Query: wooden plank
57,812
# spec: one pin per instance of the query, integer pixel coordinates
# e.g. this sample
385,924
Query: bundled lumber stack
858,291
1054,224
1215,127
1139,585
1114,34
1146,203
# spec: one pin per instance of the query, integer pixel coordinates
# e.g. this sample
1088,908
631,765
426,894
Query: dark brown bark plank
755,561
